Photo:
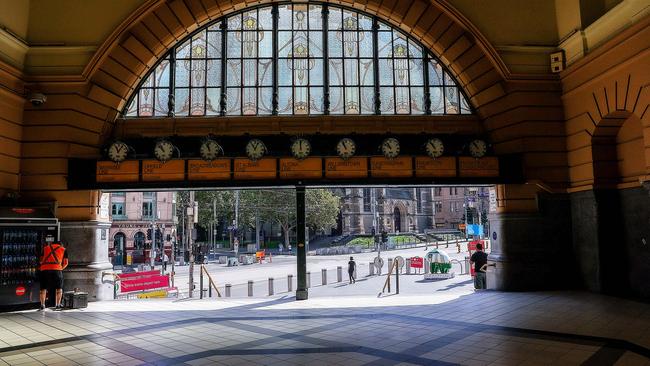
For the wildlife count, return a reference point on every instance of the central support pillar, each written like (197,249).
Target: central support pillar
(301,252)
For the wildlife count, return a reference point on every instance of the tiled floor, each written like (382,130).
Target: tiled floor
(482,328)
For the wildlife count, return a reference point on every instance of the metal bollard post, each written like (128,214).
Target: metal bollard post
(270,286)
(228,287)
(408,265)
(467,264)
(290,283)
(371,269)
(426,266)
(339,274)
(323,274)
(390,263)
(308,279)
(250,288)
(201,283)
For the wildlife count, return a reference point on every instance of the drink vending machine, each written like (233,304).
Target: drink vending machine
(23,230)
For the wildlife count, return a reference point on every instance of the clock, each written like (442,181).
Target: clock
(255,149)
(434,148)
(164,150)
(210,149)
(118,151)
(390,148)
(346,148)
(477,148)
(300,148)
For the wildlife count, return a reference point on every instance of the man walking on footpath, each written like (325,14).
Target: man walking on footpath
(54,260)
(479,259)
(352,266)
(165,260)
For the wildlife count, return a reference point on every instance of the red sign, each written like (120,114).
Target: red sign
(23,211)
(20,290)
(136,275)
(417,262)
(144,283)
(471,246)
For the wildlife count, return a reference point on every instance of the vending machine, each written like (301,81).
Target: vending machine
(23,230)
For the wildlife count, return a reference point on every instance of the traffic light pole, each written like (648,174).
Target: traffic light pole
(301,252)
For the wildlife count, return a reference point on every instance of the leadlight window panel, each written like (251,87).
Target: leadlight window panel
(366,200)
(197,85)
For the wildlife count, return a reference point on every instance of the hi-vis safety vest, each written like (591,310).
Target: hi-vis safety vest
(52,258)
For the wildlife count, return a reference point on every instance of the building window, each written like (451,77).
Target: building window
(138,241)
(418,198)
(438,191)
(300,59)
(366,200)
(438,207)
(147,210)
(117,210)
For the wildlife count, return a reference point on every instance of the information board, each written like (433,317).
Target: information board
(351,168)
(401,167)
(291,168)
(126,171)
(218,169)
(482,167)
(441,167)
(154,170)
(259,169)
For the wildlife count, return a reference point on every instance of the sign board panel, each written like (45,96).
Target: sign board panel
(474,229)
(291,168)
(401,167)
(440,167)
(346,169)
(144,283)
(461,226)
(154,170)
(218,169)
(493,199)
(126,171)
(482,167)
(417,262)
(259,169)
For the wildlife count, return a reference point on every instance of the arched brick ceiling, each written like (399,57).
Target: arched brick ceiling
(158,24)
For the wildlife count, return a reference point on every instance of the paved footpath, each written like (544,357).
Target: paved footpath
(444,323)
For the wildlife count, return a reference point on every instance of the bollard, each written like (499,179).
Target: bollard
(228,287)
(408,265)
(250,288)
(426,266)
(323,274)
(270,286)
(290,283)
(308,279)
(390,263)
(371,269)
(467,264)
(339,274)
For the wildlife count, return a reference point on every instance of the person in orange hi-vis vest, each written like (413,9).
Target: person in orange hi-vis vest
(54,260)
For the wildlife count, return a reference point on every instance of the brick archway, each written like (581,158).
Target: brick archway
(158,24)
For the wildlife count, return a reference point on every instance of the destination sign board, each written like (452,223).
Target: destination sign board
(218,169)
(154,170)
(401,167)
(126,171)
(291,168)
(482,167)
(439,167)
(350,168)
(259,169)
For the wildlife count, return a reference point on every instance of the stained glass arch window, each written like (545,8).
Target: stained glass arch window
(297,59)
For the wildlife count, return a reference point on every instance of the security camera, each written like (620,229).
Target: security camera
(37,99)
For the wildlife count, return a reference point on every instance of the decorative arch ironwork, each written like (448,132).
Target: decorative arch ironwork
(300,59)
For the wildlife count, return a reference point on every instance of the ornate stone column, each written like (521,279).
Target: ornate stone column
(87,246)
(530,240)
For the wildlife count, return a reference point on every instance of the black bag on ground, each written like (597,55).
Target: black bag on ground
(75,299)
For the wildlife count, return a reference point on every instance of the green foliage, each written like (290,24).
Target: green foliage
(362,241)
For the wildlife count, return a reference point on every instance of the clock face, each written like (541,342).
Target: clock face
(118,151)
(300,148)
(477,148)
(210,149)
(390,148)
(255,149)
(346,148)
(164,150)
(434,148)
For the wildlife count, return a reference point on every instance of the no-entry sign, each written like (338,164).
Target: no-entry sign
(20,290)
